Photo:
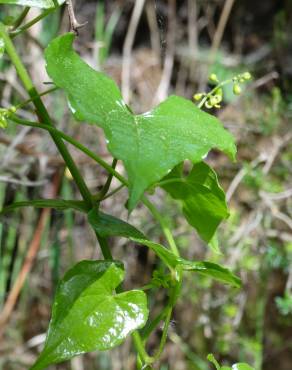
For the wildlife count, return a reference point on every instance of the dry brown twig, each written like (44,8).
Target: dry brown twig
(127,49)
(75,25)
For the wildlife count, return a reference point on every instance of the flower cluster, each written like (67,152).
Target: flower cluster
(215,96)
(4,115)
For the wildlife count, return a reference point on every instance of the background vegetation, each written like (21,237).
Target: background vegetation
(170,47)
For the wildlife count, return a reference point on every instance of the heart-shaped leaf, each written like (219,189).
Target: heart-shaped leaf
(210,269)
(88,316)
(107,225)
(150,144)
(45,4)
(203,200)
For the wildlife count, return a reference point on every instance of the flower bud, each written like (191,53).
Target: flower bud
(198,97)
(213,78)
(236,89)
(3,122)
(246,76)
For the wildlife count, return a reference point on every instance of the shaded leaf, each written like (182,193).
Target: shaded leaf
(107,225)
(47,203)
(210,269)
(150,144)
(45,4)
(87,316)
(203,200)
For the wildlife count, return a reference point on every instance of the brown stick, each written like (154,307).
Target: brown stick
(29,260)
(220,29)
(75,25)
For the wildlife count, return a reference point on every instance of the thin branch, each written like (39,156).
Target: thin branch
(127,49)
(74,24)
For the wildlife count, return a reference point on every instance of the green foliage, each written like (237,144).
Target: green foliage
(87,316)
(238,366)
(45,4)
(90,311)
(107,225)
(284,303)
(202,198)
(203,267)
(174,131)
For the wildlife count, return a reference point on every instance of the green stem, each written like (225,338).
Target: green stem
(23,104)
(113,192)
(107,185)
(44,117)
(139,345)
(31,23)
(43,114)
(109,168)
(104,247)
(137,340)
(21,17)
(72,141)
(164,334)
(210,93)
(153,324)
(165,228)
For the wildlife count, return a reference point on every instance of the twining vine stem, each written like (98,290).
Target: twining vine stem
(45,122)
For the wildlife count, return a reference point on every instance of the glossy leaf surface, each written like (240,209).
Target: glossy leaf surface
(107,225)
(88,316)
(150,144)
(203,200)
(45,4)
(210,269)
(242,366)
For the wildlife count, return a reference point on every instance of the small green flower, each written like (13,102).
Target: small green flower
(4,115)
(236,89)
(213,78)
(198,97)
(246,76)
(3,118)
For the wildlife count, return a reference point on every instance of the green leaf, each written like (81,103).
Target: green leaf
(47,203)
(239,366)
(87,316)
(242,366)
(150,144)
(206,268)
(107,225)
(45,4)
(203,200)
(2,47)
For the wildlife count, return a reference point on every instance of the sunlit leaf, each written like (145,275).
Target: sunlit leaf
(202,198)
(2,47)
(45,4)
(88,316)
(242,366)
(150,144)
(210,269)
